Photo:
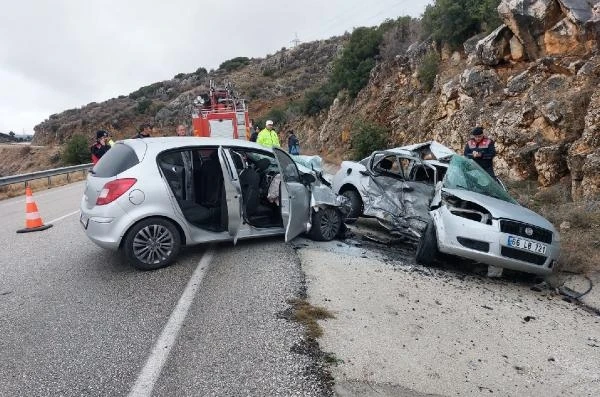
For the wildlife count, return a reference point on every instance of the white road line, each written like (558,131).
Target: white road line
(64,216)
(149,375)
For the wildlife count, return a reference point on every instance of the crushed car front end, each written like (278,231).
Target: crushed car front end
(475,218)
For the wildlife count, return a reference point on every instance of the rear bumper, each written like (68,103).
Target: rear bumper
(105,227)
(487,244)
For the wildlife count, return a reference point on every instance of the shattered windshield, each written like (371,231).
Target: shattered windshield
(465,174)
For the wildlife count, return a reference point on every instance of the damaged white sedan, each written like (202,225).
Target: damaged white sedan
(451,205)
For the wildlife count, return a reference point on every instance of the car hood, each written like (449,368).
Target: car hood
(437,149)
(502,209)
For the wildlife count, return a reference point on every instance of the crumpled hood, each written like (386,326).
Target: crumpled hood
(503,209)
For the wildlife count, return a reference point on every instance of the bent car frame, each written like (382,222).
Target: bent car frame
(150,196)
(449,205)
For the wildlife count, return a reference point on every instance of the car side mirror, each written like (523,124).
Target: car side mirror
(307,179)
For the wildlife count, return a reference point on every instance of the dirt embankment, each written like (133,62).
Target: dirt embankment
(20,159)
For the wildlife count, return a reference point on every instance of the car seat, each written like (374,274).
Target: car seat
(250,184)
(209,182)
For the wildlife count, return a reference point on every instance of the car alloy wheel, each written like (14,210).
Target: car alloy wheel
(326,224)
(152,243)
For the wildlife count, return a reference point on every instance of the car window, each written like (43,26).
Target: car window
(118,159)
(289,170)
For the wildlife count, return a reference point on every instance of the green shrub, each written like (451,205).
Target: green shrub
(201,72)
(428,70)
(454,21)
(143,106)
(268,72)
(317,100)
(277,115)
(180,75)
(146,91)
(77,151)
(234,63)
(367,137)
(351,71)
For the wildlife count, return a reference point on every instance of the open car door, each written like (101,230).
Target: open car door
(233,194)
(294,196)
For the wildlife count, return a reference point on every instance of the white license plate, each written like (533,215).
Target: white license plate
(84,220)
(527,245)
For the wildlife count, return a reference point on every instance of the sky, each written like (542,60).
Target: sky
(63,54)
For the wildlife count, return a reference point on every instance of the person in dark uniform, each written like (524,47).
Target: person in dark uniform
(481,149)
(145,130)
(101,146)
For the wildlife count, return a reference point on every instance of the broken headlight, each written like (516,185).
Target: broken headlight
(466,209)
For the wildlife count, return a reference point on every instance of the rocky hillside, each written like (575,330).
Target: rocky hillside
(532,84)
(263,81)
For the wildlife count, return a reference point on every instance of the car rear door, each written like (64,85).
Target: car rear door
(233,194)
(294,196)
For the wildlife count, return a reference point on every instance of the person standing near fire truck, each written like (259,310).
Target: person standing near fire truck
(268,136)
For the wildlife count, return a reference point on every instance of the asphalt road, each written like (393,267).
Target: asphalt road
(77,320)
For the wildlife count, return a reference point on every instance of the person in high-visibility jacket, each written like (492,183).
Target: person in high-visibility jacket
(268,137)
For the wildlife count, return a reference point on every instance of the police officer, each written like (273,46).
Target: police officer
(101,146)
(268,137)
(481,149)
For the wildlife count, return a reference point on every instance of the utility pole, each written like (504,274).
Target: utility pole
(296,41)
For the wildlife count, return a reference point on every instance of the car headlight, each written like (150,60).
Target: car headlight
(466,209)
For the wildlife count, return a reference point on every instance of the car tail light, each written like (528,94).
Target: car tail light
(114,189)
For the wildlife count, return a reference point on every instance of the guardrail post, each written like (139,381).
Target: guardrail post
(49,181)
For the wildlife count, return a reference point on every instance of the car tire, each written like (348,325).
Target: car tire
(356,205)
(152,243)
(427,249)
(326,224)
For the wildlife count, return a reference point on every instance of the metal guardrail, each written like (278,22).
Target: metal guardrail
(24,178)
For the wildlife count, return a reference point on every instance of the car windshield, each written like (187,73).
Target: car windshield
(466,174)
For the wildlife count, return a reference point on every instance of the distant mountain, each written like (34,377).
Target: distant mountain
(278,78)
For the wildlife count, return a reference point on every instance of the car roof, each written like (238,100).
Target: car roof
(169,142)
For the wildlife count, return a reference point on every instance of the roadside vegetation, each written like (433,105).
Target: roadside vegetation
(77,151)
(367,137)
(308,315)
(577,222)
(351,71)
(454,21)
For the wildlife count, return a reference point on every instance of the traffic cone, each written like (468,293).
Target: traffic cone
(33,221)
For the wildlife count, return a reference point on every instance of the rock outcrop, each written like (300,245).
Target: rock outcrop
(532,84)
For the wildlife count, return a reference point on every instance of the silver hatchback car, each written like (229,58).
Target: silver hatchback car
(150,196)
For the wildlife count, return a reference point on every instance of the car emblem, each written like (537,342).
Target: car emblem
(529,231)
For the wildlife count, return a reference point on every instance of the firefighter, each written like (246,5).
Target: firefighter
(99,148)
(268,137)
(481,149)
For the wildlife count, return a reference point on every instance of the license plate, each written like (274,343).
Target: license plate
(527,245)
(84,219)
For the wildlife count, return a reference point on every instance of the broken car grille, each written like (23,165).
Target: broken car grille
(520,229)
(523,256)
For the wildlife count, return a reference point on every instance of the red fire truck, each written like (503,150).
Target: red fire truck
(220,113)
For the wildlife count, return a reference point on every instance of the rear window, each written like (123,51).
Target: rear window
(118,159)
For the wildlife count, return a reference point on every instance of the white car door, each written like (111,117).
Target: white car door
(294,197)
(233,194)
